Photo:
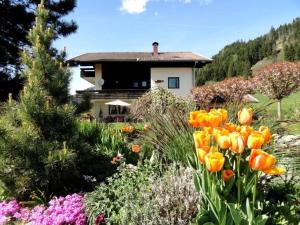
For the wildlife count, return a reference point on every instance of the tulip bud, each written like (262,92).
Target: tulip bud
(227,174)
(245,116)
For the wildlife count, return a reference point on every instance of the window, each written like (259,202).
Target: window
(173,82)
(135,84)
(144,83)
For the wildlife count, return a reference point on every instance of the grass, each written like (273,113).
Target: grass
(290,109)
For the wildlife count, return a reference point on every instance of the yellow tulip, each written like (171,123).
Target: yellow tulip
(265,131)
(245,131)
(237,142)
(201,139)
(223,113)
(201,153)
(260,160)
(214,161)
(215,119)
(198,118)
(245,116)
(223,141)
(255,140)
(218,131)
(227,174)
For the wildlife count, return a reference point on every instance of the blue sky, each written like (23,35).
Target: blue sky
(201,26)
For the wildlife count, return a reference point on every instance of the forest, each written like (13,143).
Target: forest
(241,57)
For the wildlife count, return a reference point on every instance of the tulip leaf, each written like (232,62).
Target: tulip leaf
(229,186)
(197,182)
(250,184)
(235,213)
(249,211)
(260,220)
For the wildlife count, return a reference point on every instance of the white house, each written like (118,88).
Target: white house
(128,75)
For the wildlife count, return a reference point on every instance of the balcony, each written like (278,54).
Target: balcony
(114,93)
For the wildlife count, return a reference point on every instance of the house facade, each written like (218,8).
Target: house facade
(128,75)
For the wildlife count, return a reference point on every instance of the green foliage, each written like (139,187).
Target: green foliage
(237,58)
(110,198)
(39,148)
(168,200)
(171,136)
(139,195)
(84,105)
(282,196)
(159,102)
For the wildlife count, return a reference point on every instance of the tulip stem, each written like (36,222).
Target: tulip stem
(239,180)
(254,192)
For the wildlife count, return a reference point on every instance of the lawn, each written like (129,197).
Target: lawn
(290,109)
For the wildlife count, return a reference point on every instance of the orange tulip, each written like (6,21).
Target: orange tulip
(208,130)
(275,171)
(245,131)
(127,129)
(266,134)
(215,118)
(222,112)
(201,139)
(218,131)
(198,118)
(260,160)
(227,174)
(223,141)
(237,142)
(230,127)
(255,140)
(201,153)
(245,116)
(214,161)
(135,148)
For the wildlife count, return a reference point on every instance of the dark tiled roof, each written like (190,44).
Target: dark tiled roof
(139,56)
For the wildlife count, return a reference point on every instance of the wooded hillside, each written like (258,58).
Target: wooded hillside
(240,57)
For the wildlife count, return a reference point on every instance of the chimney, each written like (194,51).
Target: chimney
(155,48)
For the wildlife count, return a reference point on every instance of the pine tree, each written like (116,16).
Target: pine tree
(39,132)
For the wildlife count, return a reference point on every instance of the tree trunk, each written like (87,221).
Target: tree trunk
(279,109)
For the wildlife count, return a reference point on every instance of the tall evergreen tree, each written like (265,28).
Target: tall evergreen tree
(38,134)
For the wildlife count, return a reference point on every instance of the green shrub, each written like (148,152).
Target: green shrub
(110,198)
(168,200)
(140,195)
(159,102)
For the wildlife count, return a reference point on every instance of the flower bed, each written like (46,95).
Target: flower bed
(62,210)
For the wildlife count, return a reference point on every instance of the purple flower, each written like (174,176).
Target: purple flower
(62,210)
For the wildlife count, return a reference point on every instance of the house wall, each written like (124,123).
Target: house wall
(186,79)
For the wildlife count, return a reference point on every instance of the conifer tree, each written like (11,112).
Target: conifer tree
(38,133)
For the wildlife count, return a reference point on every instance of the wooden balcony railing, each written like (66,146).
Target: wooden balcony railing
(114,93)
